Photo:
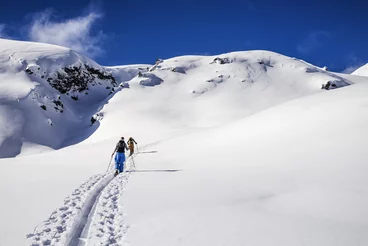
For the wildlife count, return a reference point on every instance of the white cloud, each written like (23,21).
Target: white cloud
(75,33)
(354,62)
(351,69)
(313,41)
(2,31)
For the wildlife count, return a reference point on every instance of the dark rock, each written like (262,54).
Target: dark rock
(178,70)
(221,60)
(77,78)
(93,120)
(29,71)
(58,103)
(265,63)
(328,85)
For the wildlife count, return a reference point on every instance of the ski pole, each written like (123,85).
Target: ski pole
(109,164)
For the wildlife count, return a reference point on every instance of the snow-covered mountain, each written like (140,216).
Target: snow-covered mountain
(362,71)
(48,95)
(244,146)
(193,92)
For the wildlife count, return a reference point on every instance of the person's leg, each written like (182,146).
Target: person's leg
(122,162)
(116,164)
(116,161)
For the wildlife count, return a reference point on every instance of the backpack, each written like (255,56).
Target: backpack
(120,147)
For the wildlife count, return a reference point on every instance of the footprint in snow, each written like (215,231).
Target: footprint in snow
(63,208)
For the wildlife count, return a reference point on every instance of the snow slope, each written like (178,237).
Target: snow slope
(48,95)
(300,180)
(194,92)
(295,174)
(362,71)
(241,148)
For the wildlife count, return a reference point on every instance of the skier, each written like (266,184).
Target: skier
(131,142)
(120,148)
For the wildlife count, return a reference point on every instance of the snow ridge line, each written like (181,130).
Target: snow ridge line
(62,221)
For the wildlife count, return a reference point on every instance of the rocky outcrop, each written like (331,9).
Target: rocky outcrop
(72,80)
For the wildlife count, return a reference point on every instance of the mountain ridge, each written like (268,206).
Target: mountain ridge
(58,94)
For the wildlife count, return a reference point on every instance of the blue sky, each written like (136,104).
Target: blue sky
(325,33)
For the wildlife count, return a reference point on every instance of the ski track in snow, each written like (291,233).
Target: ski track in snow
(91,215)
(64,220)
(107,225)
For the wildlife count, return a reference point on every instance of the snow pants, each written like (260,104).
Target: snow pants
(131,149)
(119,161)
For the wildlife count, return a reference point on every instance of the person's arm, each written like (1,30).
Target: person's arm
(125,145)
(134,141)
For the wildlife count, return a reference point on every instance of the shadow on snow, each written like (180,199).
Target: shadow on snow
(149,171)
(148,152)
